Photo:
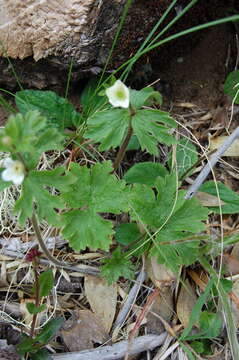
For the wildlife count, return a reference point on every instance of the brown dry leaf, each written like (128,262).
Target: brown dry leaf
(102,299)
(209,200)
(162,306)
(233,150)
(231,263)
(159,274)
(87,256)
(186,301)
(234,304)
(83,330)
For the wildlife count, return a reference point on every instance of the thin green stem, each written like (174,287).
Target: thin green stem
(123,147)
(175,36)
(41,242)
(116,37)
(37,296)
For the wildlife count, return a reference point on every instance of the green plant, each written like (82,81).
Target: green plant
(81,200)
(33,344)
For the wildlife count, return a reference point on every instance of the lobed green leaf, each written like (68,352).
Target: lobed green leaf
(96,191)
(147,126)
(145,173)
(108,127)
(117,266)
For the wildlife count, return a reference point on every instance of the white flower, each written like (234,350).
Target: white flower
(118,95)
(14,171)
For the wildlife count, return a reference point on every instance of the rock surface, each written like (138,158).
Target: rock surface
(64,29)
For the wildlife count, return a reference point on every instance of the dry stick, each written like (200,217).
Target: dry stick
(130,301)
(212,161)
(116,351)
(19,255)
(45,250)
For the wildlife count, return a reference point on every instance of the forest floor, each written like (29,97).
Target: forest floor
(191,82)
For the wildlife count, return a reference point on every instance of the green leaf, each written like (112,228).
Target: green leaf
(33,309)
(85,228)
(25,345)
(145,173)
(186,157)
(231,86)
(117,266)
(145,96)
(59,112)
(49,330)
(46,282)
(108,127)
(202,347)
(147,126)
(197,309)
(96,191)
(175,220)
(133,144)
(41,354)
(30,136)
(34,192)
(127,233)
(210,324)
(228,196)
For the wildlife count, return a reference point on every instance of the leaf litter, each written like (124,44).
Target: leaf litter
(93,306)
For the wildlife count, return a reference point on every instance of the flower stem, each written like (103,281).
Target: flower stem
(41,242)
(37,296)
(123,147)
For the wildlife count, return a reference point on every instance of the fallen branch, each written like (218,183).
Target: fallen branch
(122,316)
(211,163)
(116,351)
(83,270)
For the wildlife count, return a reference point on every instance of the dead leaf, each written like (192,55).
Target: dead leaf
(83,331)
(209,200)
(235,302)
(186,301)
(231,263)
(102,299)
(233,150)
(163,307)
(159,274)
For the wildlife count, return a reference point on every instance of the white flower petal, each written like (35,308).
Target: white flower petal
(7,162)
(7,175)
(18,179)
(14,171)
(118,95)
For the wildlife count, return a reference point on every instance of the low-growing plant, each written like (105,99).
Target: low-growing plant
(33,344)
(81,200)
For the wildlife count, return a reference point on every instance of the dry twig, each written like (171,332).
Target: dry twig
(116,351)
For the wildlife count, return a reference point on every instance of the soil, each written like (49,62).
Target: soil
(198,76)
